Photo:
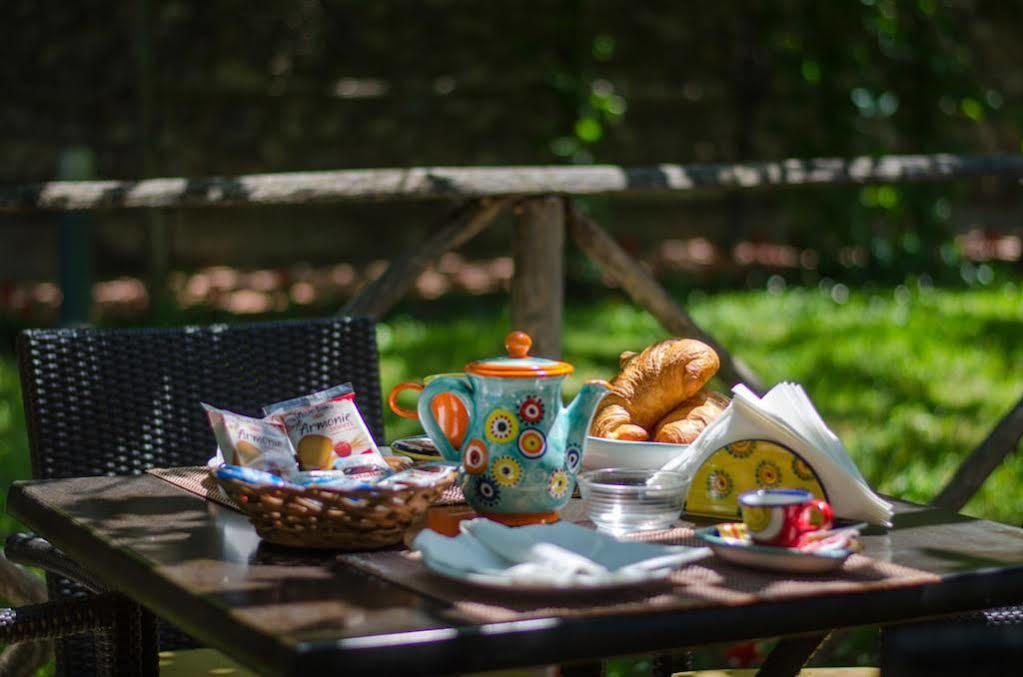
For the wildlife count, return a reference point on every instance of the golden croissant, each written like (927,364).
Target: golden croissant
(684,423)
(650,385)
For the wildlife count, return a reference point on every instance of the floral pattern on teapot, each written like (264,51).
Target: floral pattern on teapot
(522,449)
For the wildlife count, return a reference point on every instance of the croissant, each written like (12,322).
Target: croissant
(613,421)
(650,385)
(684,423)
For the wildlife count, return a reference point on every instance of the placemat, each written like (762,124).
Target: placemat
(196,479)
(709,582)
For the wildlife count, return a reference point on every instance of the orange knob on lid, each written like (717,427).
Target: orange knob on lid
(517,344)
(518,363)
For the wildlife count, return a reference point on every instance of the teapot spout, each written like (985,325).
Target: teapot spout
(579,413)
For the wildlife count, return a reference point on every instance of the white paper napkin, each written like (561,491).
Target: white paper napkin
(787,416)
(558,555)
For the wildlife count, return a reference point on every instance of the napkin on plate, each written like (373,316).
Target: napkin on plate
(787,416)
(559,555)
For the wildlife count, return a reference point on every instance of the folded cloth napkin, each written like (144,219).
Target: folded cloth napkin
(559,555)
(787,416)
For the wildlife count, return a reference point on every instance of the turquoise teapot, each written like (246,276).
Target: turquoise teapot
(522,449)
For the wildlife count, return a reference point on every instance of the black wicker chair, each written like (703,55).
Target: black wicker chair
(116,402)
(981,643)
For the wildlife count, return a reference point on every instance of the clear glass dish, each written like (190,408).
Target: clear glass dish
(626,500)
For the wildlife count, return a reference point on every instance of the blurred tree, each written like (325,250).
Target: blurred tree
(278,86)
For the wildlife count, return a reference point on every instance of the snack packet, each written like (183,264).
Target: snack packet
(252,476)
(327,430)
(252,442)
(424,475)
(307,400)
(355,477)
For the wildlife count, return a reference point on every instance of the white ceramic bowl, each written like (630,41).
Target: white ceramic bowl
(602,453)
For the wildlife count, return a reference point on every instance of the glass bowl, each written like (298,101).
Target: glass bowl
(626,500)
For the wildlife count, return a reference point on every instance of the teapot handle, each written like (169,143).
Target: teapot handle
(458,386)
(392,399)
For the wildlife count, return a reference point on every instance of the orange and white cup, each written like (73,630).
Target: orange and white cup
(448,410)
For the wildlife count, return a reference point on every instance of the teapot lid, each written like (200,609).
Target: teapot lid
(518,364)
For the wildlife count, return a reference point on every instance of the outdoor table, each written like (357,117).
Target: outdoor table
(201,566)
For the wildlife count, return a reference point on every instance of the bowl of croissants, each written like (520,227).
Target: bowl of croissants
(657,406)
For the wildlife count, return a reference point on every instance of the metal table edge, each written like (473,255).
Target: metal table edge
(480,646)
(246,645)
(554,640)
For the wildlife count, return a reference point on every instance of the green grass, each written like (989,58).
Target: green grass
(912,380)
(14,458)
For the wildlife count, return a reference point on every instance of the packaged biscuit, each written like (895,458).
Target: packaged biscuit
(424,475)
(354,477)
(252,442)
(259,478)
(327,430)
(297,403)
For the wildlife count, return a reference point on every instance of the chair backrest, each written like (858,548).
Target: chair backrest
(118,401)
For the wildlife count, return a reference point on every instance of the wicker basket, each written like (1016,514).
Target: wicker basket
(358,519)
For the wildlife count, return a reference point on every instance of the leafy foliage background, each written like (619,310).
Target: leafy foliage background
(226,87)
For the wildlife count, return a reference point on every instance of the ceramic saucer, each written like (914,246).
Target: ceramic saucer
(745,553)
(419,447)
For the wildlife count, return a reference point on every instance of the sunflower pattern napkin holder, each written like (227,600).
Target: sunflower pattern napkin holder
(778,441)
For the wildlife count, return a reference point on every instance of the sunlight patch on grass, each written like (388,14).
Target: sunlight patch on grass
(911,381)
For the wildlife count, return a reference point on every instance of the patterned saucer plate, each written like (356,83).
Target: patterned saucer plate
(740,550)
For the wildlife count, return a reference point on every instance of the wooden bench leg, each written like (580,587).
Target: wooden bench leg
(667,664)
(582,669)
(790,655)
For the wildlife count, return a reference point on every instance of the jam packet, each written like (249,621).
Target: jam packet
(252,442)
(327,430)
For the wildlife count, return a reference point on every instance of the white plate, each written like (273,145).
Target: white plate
(495,582)
(602,453)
